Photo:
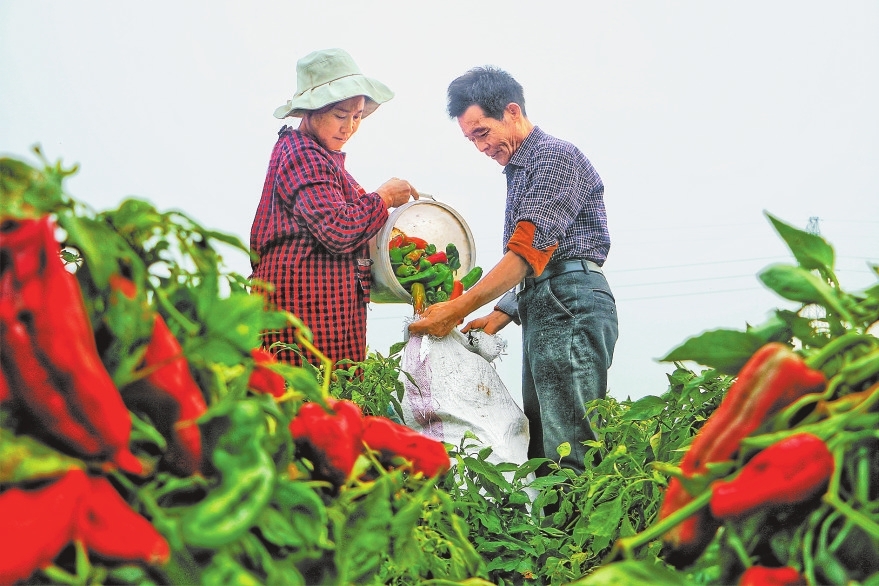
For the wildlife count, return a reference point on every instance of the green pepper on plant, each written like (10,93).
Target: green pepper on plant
(247,480)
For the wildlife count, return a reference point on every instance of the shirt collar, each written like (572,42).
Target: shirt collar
(521,155)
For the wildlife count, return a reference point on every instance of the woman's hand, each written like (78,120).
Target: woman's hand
(395,192)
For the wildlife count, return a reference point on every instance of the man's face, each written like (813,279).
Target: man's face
(498,139)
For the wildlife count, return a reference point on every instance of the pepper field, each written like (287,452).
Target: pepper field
(145,439)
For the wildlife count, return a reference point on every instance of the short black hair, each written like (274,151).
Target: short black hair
(490,88)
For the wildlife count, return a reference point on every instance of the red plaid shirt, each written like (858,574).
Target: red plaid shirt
(313,223)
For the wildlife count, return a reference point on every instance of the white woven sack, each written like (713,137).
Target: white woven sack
(457,389)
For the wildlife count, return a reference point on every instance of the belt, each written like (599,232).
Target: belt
(561,267)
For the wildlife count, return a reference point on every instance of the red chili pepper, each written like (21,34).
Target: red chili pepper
(49,302)
(418,242)
(687,540)
(788,472)
(763,576)
(457,289)
(396,241)
(772,379)
(264,379)
(330,439)
(5,393)
(173,378)
(392,440)
(32,384)
(438,257)
(125,286)
(108,526)
(38,524)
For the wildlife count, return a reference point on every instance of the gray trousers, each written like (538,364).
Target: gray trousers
(569,330)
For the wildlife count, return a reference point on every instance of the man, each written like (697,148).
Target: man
(555,242)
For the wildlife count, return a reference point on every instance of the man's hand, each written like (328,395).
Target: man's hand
(490,324)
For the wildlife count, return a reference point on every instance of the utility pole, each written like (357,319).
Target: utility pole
(812,311)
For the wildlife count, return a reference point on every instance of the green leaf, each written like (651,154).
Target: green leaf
(564,449)
(633,572)
(364,536)
(724,350)
(798,284)
(605,519)
(645,408)
(811,251)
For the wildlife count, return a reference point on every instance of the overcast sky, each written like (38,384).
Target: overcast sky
(697,115)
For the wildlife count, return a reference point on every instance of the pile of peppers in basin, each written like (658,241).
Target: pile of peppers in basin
(426,272)
(146,437)
(780,484)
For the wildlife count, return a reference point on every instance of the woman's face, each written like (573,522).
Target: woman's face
(334,124)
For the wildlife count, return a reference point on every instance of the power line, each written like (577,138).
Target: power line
(616,286)
(688,294)
(695,264)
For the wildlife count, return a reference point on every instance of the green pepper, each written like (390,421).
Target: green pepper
(430,296)
(399,253)
(424,263)
(454,256)
(440,296)
(248,476)
(418,297)
(470,278)
(430,249)
(414,256)
(419,277)
(448,283)
(405,270)
(441,272)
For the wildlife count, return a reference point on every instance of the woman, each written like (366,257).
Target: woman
(314,221)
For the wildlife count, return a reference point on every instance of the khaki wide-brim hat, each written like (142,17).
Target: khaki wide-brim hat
(330,76)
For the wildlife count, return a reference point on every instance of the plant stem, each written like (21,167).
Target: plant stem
(628,544)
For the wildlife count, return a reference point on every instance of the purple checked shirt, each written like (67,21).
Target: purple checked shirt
(552,184)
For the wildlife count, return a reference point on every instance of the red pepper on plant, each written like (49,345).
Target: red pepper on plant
(787,472)
(38,524)
(330,439)
(170,375)
(107,525)
(48,302)
(5,393)
(263,379)
(393,440)
(764,576)
(33,385)
(686,541)
(773,378)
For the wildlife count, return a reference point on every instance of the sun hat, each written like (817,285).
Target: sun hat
(329,76)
